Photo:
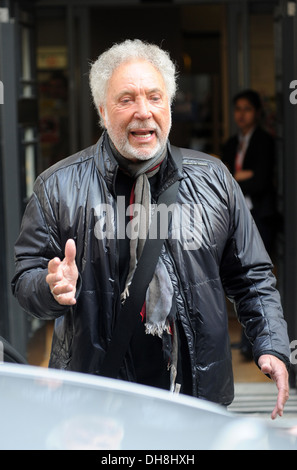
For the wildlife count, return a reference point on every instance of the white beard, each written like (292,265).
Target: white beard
(124,147)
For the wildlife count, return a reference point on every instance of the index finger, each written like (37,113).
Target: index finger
(282,396)
(53,265)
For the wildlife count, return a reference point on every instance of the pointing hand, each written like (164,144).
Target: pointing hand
(62,276)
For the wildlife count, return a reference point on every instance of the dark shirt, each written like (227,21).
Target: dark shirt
(146,350)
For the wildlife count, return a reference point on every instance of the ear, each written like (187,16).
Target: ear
(102,114)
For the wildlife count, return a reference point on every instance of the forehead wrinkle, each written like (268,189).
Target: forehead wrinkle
(134,76)
(134,90)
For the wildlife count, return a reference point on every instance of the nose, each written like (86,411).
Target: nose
(142,111)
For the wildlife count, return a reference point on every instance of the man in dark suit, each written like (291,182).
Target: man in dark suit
(249,155)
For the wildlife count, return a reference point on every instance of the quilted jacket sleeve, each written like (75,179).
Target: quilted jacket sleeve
(35,246)
(246,272)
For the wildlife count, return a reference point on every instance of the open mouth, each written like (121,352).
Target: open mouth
(143,134)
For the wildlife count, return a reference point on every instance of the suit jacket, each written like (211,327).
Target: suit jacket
(260,158)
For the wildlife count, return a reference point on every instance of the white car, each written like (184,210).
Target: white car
(52,409)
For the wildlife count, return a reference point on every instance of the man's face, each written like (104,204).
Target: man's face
(245,115)
(137,112)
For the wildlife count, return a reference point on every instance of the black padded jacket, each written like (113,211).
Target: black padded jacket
(228,259)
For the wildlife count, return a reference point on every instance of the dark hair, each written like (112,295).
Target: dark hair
(252,96)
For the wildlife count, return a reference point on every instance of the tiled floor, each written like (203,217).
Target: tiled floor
(259,399)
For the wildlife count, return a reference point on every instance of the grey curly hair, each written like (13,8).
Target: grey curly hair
(103,68)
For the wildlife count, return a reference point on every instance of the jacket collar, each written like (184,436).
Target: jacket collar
(108,167)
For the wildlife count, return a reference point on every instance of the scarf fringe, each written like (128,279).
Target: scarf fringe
(157,329)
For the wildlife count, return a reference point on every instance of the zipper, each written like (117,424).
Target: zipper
(191,355)
(181,289)
(116,267)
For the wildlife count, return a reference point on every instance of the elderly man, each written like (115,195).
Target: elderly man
(78,249)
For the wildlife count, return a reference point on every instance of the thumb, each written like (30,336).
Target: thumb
(265,365)
(266,368)
(70,251)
